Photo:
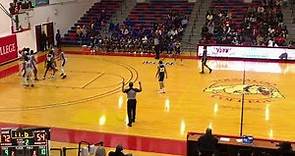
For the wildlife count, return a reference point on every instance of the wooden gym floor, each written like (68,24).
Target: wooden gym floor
(90,99)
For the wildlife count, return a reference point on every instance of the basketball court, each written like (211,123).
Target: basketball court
(248,98)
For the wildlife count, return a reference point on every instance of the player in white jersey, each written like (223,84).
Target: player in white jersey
(23,58)
(28,76)
(62,64)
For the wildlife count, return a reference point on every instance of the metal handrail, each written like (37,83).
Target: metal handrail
(6,12)
(79,147)
(65,149)
(57,149)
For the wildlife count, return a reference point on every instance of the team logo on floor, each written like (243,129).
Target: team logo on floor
(155,62)
(254,91)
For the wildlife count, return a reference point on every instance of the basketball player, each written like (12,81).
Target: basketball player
(24,57)
(63,62)
(49,64)
(28,72)
(131,102)
(20,63)
(34,61)
(204,61)
(161,74)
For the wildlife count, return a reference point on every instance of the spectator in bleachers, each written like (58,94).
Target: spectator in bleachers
(17,5)
(209,16)
(270,43)
(13,9)
(291,44)
(79,31)
(260,40)
(184,22)
(84,33)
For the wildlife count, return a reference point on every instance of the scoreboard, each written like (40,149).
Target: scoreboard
(25,141)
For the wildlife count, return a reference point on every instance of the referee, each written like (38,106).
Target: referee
(131,103)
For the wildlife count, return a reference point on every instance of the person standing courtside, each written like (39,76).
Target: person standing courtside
(131,103)
(58,39)
(204,61)
(157,46)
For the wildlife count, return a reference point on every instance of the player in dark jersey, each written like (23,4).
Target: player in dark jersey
(34,61)
(161,74)
(204,61)
(22,57)
(49,64)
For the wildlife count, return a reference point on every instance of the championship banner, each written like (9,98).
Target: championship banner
(8,48)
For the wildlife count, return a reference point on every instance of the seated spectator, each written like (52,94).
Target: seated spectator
(207,143)
(209,16)
(291,44)
(17,5)
(184,22)
(119,152)
(259,40)
(280,40)
(100,151)
(270,43)
(12,8)
(79,31)
(285,149)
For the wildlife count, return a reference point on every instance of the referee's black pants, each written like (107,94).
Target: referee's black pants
(157,51)
(131,110)
(204,64)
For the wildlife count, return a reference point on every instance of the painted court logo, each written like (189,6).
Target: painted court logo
(254,91)
(155,62)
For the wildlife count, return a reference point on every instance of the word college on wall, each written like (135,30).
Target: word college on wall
(8,48)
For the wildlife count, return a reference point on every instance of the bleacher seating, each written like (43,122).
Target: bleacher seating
(145,14)
(156,17)
(240,23)
(237,8)
(104,9)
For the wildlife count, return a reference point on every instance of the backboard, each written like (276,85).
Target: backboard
(20,22)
